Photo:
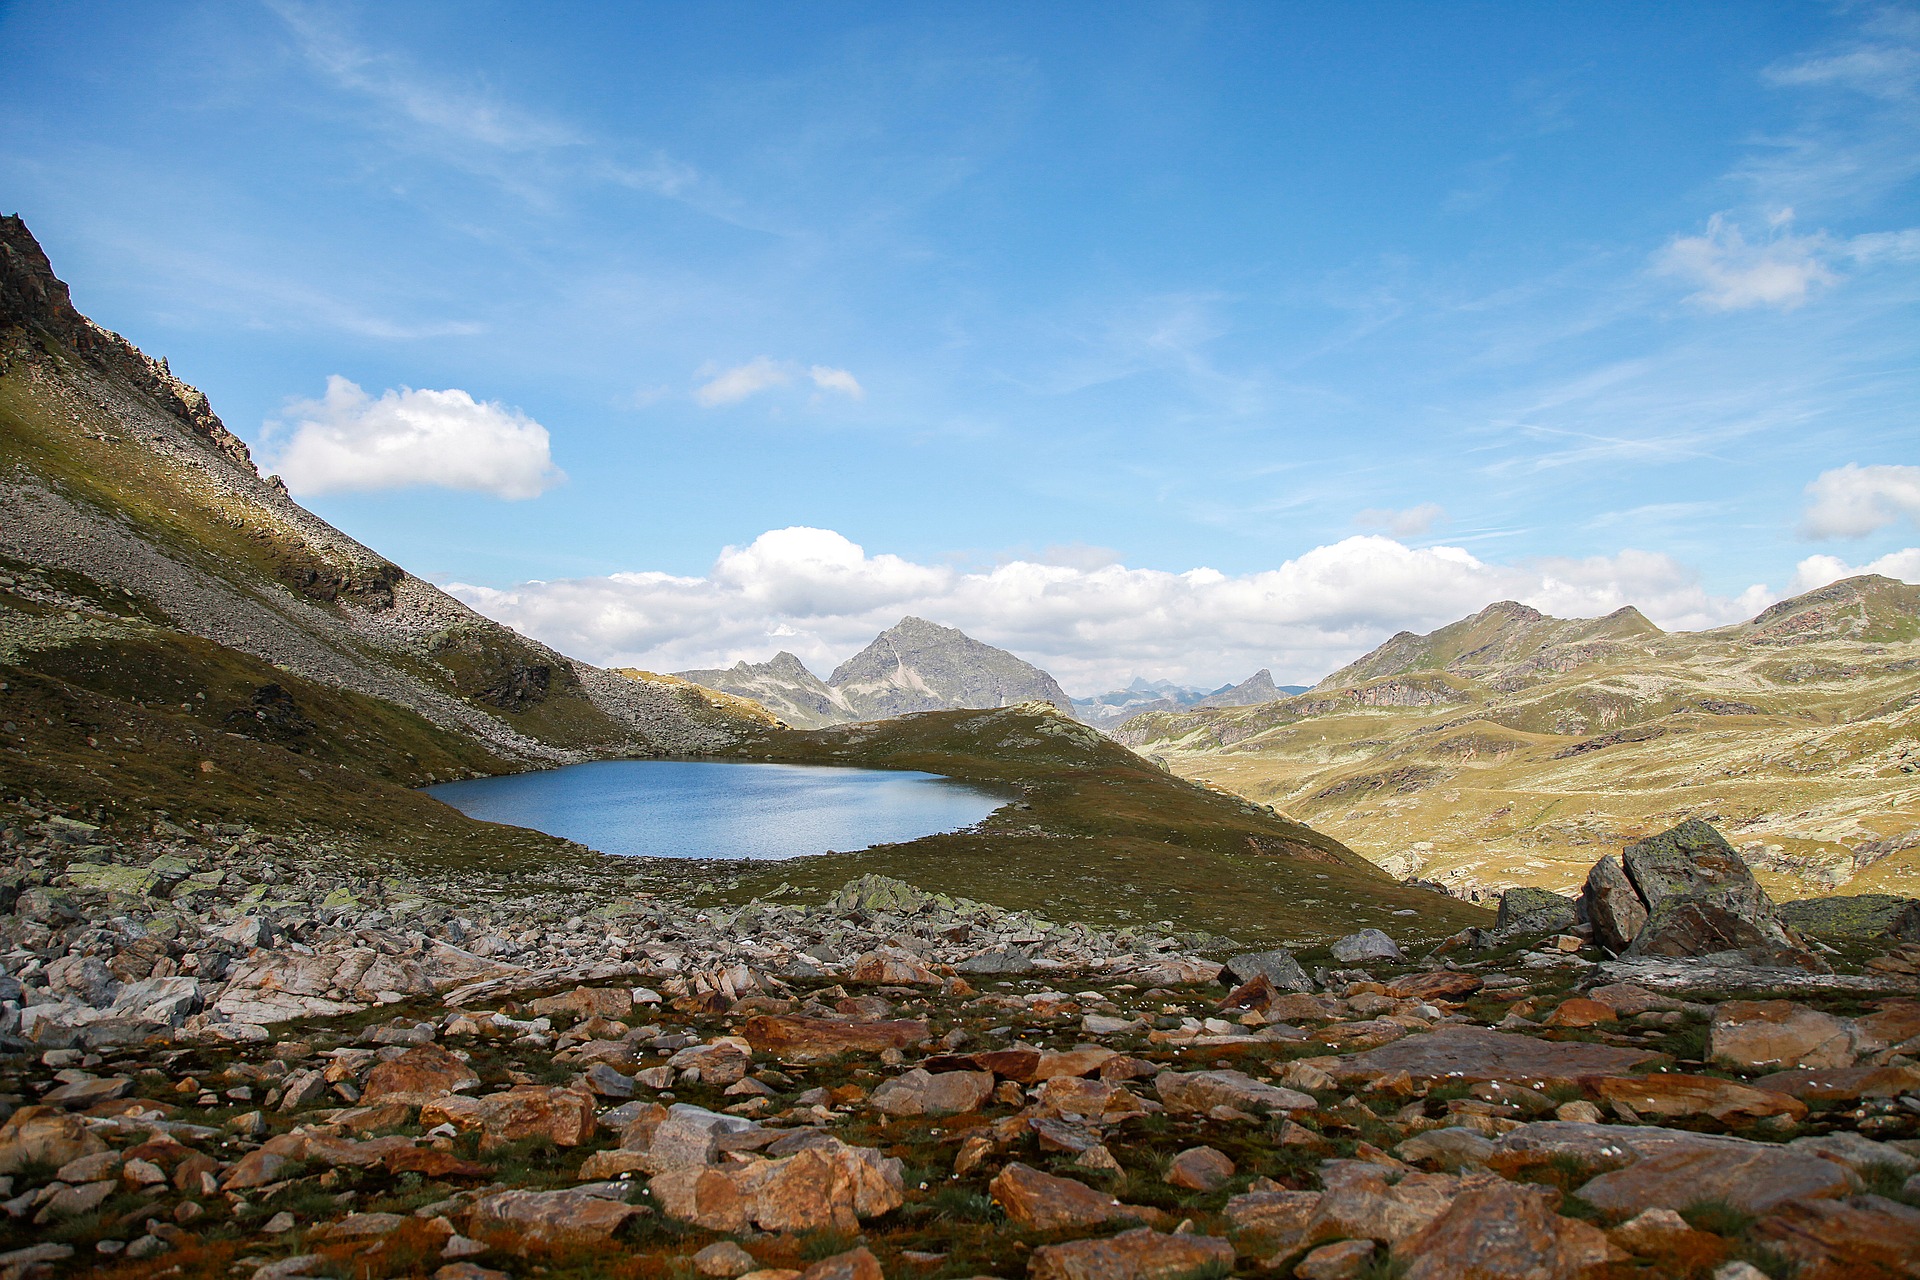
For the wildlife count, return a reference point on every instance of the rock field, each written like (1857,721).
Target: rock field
(228,1056)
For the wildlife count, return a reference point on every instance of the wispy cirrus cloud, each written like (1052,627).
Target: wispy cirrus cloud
(763,373)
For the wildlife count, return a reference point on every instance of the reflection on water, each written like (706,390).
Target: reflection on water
(703,809)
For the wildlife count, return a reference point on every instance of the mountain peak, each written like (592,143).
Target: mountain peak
(916,665)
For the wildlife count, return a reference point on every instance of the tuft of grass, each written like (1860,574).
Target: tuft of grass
(1718,1217)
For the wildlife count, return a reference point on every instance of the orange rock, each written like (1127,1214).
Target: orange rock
(1578,1012)
(1141,1254)
(1496,1229)
(855,1264)
(1472,1054)
(1776,1035)
(516,1219)
(826,1187)
(922,1093)
(1199,1169)
(422,1072)
(1864,1238)
(45,1135)
(1843,1084)
(1042,1202)
(565,1116)
(587,1002)
(803,1040)
(891,966)
(1441,985)
(1030,1066)
(1894,1027)
(1678,1095)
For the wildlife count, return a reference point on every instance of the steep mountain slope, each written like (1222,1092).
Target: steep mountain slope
(916,665)
(165,609)
(783,686)
(1514,748)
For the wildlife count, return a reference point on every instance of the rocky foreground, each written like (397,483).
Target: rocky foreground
(229,1058)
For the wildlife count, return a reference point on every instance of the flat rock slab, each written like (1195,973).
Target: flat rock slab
(1475,1054)
(1843,1084)
(1863,1238)
(1651,1168)
(1700,977)
(805,1040)
(1132,1255)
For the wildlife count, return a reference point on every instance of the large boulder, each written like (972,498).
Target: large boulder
(1043,1202)
(1614,907)
(1529,910)
(422,1073)
(923,1093)
(1277,966)
(1142,1254)
(1701,897)
(1776,1035)
(805,1040)
(1366,945)
(827,1186)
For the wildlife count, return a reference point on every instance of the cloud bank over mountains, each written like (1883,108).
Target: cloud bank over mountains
(822,596)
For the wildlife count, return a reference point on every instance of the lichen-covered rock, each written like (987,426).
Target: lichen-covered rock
(1614,907)
(1529,910)
(1366,945)
(1141,1254)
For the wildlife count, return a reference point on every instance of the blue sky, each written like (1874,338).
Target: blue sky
(1160,339)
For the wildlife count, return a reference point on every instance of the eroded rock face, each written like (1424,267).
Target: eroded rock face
(1529,910)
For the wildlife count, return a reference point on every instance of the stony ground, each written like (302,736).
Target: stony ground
(227,1060)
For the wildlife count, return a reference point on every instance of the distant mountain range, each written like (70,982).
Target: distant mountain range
(1111,710)
(914,665)
(917,665)
(1508,747)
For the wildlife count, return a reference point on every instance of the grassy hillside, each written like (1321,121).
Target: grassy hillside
(1097,834)
(1515,749)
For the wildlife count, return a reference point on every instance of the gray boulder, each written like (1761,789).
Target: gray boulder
(1613,905)
(1278,966)
(1368,944)
(997,961)
(1693,861)
(1528,910)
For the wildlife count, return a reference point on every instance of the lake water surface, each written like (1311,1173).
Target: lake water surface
(710,809)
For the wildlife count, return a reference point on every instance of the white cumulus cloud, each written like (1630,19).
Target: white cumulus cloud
(1818,571)
(1854,501)
(1094,626)
(348,441)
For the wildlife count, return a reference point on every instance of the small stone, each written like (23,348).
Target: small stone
(1199,1169)
(1345,1260)
(724,1260)
(1368,944)
(279,1224)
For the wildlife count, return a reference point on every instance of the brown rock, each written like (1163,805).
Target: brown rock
(1471,1054)
(1140,1254)
(564,1116)
(723,1062)
(1031,1066)
(1443,985)
(1042,1202)
(1681,1095)
(1202,1091)
(1355,1036)
(855,1264)
(1862,1238)
(45,1135)
(1627,1000)
(515,1219)
(1344,1260)
(804,1040)
(1753,1035)
(1752,1177)
(1495,1230)
(421,1073)
(1272,1221)
(587,1002)
(890,966)
(921,1093)
(1199,1169)
(1843,1084)
(1360,1203)
(429,1163)
(1579,1012)
(266,1163)
(827,1186)
(1895,1027)
(724,1260)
